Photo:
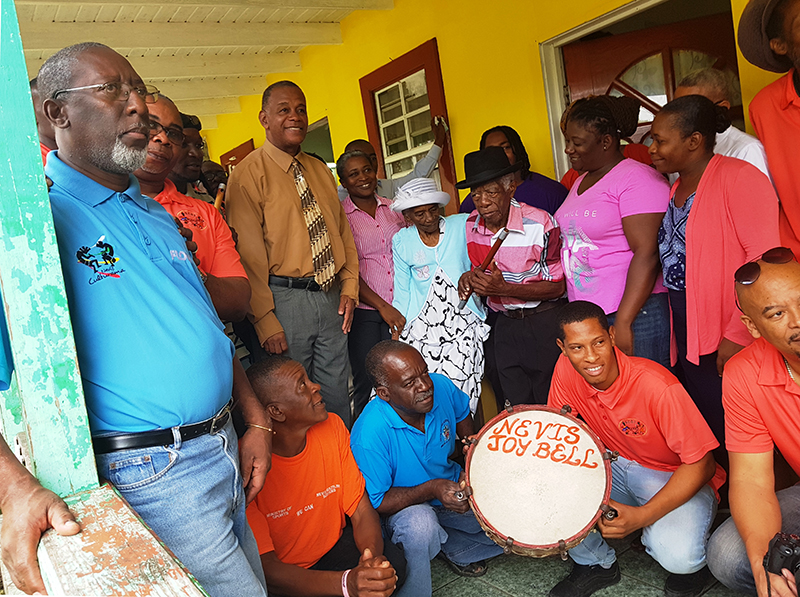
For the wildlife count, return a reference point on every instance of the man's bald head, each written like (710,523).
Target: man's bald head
(771,305)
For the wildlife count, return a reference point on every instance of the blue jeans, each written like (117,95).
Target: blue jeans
(677,540)
(423,530)
(727,557)
(190,494)
(651,330)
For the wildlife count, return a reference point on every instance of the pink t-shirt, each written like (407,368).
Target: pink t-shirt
(595,252)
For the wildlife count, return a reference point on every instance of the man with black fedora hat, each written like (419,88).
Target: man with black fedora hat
(769,37)
(524,284)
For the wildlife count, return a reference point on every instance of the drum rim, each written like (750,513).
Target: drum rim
(606,464)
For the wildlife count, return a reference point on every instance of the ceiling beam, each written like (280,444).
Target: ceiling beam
(231,65)
(209,121)
(287,4)
(216,105)
(47,35)
(190,89)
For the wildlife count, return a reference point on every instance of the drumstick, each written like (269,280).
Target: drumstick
(487,262)
(220,196)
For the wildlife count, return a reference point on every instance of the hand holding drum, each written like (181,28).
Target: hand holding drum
(486,262)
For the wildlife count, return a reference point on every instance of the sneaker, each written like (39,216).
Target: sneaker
(689,585)
(585,580)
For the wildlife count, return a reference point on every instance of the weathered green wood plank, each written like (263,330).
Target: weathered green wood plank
(50,407)
(115,554)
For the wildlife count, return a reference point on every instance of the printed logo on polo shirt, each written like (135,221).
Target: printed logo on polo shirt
(101,259)
(189,218)
(445,432)
(633,427)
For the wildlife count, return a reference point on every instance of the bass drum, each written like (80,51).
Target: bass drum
(539,480)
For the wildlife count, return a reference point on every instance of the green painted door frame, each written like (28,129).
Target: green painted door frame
(44,408)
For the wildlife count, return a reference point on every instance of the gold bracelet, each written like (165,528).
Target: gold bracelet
(260,427)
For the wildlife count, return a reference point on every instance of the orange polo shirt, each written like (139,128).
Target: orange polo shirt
(775,114)
(761,403)
(299,514)
(645,415)
(215,247)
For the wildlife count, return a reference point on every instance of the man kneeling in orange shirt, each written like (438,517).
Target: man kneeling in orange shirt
(307,545)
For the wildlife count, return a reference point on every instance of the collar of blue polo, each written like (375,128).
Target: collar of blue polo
(396,421)
(84,189)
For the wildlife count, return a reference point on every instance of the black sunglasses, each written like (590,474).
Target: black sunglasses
(750,272)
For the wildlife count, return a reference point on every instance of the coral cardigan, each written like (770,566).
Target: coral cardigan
(733,220)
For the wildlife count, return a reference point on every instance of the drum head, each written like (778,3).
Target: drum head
(538,477)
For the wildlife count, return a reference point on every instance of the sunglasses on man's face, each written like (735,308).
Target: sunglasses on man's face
(750,272)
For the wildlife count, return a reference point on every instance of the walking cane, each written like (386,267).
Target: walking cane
(487,262)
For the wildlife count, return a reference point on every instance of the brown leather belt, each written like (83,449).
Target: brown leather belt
(528,311)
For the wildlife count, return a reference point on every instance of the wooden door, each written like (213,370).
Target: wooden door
(230,159)
(648,64)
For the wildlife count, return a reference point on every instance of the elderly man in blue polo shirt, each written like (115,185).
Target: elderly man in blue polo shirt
(401,443)
(157,369)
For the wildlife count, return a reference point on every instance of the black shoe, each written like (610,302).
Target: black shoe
(689,585)
(585,580)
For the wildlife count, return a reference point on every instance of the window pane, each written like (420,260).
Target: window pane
(389,105)
(415,91)
(399,167)
(647,77)
(420,128)
(688,61)
(395,138)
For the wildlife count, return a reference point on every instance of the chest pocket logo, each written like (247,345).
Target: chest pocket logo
(189,218)
(633,428)
(100,258)
(445,432)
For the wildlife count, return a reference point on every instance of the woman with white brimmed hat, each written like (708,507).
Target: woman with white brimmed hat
(429,258)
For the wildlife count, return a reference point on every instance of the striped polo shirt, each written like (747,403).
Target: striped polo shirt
(530,253)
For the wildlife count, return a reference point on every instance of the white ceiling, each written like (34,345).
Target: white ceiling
(202,54)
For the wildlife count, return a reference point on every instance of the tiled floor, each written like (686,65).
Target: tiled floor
(516,576)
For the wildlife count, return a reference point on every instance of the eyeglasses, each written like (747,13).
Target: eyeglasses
(216,175)
(175,136)
(116,91)
(750,272)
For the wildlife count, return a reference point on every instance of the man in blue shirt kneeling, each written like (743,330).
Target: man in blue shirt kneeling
(401,443)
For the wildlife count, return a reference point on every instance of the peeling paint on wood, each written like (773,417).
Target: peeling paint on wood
(114,554)
(46,402)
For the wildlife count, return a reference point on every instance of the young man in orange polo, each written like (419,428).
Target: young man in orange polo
(665,479)
(761,397)
(316,529)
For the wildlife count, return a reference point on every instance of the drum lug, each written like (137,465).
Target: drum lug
(508,407)
(508,547)
(566,409)
(609,513)
(611,456)
(562,549)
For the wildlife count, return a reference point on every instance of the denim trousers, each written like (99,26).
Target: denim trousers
(727,557)
(651,331)
(190,493)
(677,540)
(423,530)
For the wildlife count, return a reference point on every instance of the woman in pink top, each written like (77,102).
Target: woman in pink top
(609,226)
(722,214)
(374,224)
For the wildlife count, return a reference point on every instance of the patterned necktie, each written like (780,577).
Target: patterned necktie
(321,252)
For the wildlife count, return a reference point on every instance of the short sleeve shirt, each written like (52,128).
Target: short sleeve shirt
(530,252)
(300,512)
(761,403)
(595,251)
(6,362)
(152,351)
(215,247)
(646,414)
(373,237)
(392,453)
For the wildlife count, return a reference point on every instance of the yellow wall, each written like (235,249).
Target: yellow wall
(489,53)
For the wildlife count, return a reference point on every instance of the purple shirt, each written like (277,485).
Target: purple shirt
(536,190)
(373,238)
